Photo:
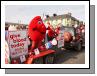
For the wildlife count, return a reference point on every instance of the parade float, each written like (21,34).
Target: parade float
(38,52)
(40,44)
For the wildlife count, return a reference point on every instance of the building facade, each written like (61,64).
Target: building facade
(65,20)
(7,24)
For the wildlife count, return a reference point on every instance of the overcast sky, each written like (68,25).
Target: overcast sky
(24,13)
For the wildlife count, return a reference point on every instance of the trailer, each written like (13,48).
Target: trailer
(19,52)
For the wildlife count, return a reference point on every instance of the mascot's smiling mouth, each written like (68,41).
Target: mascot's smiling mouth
(34,29)
(42,32)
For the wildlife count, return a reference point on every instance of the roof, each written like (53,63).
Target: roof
(60,16)
(11,23)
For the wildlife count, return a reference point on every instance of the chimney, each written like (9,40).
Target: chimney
(54,14)
(47,16)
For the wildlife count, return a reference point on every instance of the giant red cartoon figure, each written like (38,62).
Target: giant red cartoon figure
(36,31)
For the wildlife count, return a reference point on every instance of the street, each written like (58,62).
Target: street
(70,57)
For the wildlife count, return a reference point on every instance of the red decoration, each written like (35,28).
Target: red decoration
(14,61)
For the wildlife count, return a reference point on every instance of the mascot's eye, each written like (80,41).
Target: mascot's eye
(39,22)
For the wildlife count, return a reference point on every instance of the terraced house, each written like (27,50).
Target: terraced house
(65,19)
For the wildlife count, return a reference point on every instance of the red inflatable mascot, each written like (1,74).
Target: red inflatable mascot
(36,31)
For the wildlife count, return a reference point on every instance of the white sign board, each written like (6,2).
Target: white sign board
(36,51)
(61,39)
(17,41)
(22,58)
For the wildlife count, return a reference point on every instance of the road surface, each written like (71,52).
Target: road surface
(70,57)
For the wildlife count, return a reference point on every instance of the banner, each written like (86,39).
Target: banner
(17,41)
